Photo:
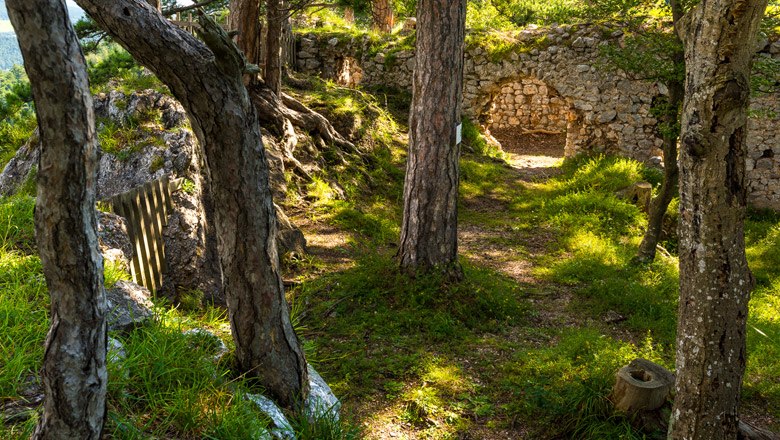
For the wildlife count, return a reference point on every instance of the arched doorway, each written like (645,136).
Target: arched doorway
(529,117)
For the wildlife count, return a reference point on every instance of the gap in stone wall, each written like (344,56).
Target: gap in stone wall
(529,117)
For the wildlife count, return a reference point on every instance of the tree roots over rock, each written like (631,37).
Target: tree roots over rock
(283,115)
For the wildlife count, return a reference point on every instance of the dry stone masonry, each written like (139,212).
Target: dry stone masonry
(529,103)
(552,79)
(763,163)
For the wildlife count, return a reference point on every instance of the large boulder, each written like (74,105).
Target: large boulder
(113,239)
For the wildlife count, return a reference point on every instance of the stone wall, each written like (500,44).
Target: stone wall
(531,104)
(763,163)
(552,79)
(602,110)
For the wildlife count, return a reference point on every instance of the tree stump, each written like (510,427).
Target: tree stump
(641,386)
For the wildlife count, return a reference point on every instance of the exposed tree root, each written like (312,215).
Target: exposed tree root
(283,116)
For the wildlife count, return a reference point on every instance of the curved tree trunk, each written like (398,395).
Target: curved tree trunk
(661,202)
(670,120)
(430,221)
(273,45)
(206,79)
(715,281)
(74,365)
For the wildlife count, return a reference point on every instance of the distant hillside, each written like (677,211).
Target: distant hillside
(9,49)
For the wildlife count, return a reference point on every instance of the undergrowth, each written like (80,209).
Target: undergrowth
(165,383)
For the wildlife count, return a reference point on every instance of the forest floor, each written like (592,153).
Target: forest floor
(527,346)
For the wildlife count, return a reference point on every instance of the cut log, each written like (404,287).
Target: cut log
(641,386)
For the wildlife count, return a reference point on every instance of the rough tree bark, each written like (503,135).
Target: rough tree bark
(429,228)
(156,4)
(74,366)
(245,19)
(669,119)
(382,17)
(276,14)
(207,80)
(715,281)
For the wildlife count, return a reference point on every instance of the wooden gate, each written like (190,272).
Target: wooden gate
(145,210)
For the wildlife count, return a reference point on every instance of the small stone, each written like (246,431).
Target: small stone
(282,429)
(612,317)
(321,399)
(607,116)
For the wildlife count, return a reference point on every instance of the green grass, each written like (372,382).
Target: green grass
(445,357)
(167,386)
(124,138)
(112,68)
(15,129)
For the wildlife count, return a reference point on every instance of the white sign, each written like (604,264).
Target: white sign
(458,134)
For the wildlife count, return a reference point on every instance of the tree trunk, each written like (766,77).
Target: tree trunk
(273,45)
(206,79)
(670,123)
(382,15)
(156,4)
(74,366)
(245,18)
(715,281)
(430,219)
(349,15)
(660,203)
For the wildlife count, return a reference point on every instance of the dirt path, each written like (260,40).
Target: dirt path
(533,156)
(532,159)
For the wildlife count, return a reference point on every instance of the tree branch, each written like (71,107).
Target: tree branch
(169,12)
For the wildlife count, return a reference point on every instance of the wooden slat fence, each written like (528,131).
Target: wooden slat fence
(145,210)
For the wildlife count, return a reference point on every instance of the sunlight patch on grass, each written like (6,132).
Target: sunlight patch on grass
(567,384)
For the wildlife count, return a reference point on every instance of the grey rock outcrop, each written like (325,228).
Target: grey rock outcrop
(129,306)
(113,240)
(156,142)
(21,167)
